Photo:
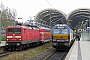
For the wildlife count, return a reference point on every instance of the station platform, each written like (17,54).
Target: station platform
(80,50)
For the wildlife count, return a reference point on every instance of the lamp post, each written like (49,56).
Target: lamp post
(0,25)
(82,25)
(82,29)
(86,23)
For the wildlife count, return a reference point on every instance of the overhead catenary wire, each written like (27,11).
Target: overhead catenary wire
(50,3)
(50,12)
(58,4)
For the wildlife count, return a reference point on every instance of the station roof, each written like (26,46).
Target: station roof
(79,16)
(51,16)
(54,16)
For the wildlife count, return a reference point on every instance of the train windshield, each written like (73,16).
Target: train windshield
(14,30)
(64,31)
(56,31)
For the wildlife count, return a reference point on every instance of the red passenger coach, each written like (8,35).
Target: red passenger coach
(19,37)
(45,34)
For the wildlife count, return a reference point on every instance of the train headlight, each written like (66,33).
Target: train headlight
(18,44)
(66,40)
(7,39)
(54,40)
(20,39)
(6,43)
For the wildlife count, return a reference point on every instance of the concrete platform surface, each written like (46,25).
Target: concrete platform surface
(79,51)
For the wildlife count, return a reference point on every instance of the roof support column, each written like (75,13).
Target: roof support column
(50,19)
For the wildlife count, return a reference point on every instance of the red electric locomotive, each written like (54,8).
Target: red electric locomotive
(18,37)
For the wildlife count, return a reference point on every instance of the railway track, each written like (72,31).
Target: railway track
(50,54)
(43,55)
(57,55)
(5,53)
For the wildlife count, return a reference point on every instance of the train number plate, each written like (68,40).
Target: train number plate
(60,40)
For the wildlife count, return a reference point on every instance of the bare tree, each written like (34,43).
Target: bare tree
(8,16)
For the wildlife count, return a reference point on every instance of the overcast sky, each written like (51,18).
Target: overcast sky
(27,8)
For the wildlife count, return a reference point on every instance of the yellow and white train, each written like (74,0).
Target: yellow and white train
(62,36)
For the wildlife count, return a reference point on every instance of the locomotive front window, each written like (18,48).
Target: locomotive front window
(14,30)
(56,31)
(64,31)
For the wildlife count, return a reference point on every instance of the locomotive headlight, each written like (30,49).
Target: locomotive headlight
(6,43)
(66,40)
(18,43)
(20,39)
(7,39)
(54,40)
